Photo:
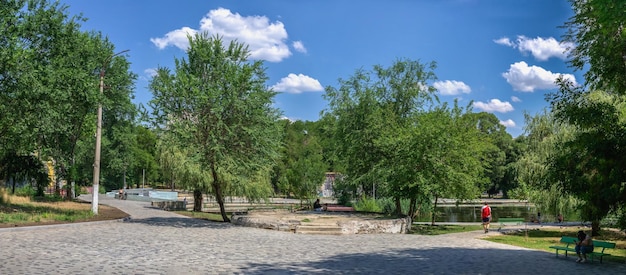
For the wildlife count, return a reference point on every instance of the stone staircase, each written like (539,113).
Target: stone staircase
(318,228)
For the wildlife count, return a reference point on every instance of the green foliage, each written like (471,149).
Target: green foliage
(49,89)
(216,103)
(366,204)
(25,191)
(395,139)
(597,31)
(302,168)
(590,163)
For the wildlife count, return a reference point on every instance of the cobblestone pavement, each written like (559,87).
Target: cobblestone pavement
(159,242)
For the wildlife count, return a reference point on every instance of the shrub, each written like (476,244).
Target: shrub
(25,191)
(367,205)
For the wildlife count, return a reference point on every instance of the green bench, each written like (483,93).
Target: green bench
(518,221)
(571,245)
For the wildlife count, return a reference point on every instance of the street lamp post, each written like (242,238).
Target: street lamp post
(96,162)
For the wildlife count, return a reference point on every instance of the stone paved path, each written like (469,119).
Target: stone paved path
(159,242)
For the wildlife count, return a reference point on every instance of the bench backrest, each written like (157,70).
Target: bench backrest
(569,240)
(603,244)
(510,219)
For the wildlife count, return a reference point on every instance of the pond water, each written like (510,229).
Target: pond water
(472,214)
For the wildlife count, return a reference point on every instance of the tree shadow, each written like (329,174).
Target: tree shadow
(180,222)
(440,261)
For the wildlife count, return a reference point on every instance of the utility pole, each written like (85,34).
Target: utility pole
(96,162)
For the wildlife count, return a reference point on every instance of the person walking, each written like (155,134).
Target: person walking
(485,214)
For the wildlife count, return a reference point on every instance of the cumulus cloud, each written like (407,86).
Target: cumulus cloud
(540,48)
(299,46)
(526,78)
(266,40)
(178,38)
(494,105)
(452,87)
(507,123)
(295,84)
(515,99)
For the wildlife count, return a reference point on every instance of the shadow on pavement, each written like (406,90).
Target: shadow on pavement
(180,222)
(441,261)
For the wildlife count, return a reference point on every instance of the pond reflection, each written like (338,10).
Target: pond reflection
(466,213)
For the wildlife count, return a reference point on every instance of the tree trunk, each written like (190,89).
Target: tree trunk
(398,207)
(197,200)
(73,184)
(217,188)
(412,208)
(595,228)
(411,214)
(434,211)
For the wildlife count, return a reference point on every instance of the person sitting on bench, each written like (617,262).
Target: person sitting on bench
(584,245)
(317,206)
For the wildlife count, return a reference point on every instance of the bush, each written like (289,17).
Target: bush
(367,205)
(25,191)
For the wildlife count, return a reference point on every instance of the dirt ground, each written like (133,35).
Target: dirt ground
(104,213)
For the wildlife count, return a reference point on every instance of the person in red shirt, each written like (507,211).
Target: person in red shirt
(485,214)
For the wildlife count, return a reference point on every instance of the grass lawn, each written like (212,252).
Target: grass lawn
(427,229)
(16,211)
(202,215)
(542,239)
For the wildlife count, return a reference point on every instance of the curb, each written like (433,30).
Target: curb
(51,226)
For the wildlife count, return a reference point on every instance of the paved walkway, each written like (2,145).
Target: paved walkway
(159,242)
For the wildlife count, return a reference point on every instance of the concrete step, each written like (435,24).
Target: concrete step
(319,229)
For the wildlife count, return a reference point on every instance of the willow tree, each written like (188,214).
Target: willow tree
(218,101)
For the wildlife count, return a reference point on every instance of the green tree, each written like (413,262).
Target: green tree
(440,157)
(590,163)
(368,106)
(303,163)
(597,31)
(397,140)
(183,166)
(144,165)
(538,184)
(499,155)
(49,82)
(220,99)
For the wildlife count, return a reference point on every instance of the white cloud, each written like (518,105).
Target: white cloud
(504,41)
(266,40)
(543,49)
(177,38)
(507,123)
(452,87)
(526,78)
(494,105)
(540,48)
(515,99)
(299,46)
(295,84)
(150,72)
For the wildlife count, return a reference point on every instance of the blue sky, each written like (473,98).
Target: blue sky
(503,55)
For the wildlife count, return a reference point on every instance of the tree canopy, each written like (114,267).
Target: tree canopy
(217,102)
